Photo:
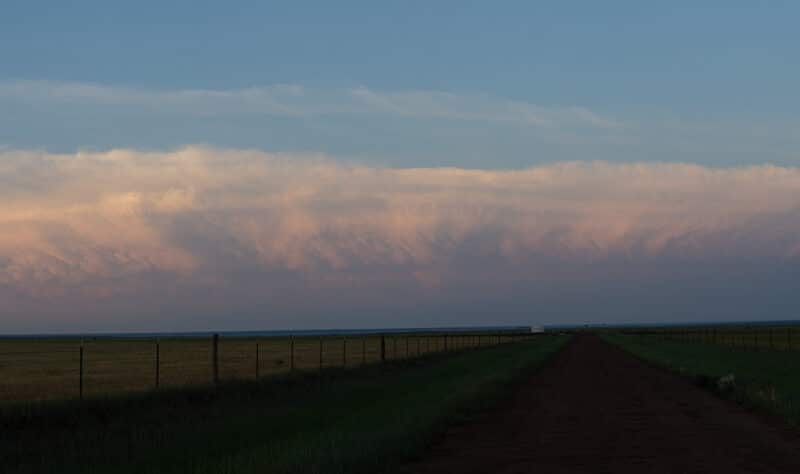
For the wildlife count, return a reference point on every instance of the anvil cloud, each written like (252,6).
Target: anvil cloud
(237,238)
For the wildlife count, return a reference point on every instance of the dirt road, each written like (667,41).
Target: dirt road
(597,409)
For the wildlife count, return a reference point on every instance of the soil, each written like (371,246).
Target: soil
(597,409)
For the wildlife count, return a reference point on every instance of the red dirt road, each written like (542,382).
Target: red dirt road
(597,409)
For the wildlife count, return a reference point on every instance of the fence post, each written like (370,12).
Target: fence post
(215,357)
(320,353)
(291,353)
(80,372)
(383,348)
(158,364)
(258,361)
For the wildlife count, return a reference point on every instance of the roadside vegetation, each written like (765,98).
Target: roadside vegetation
(764,379)
(366,419)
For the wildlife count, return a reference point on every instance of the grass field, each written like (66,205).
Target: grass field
(778,337)
(767,379)
(42,369)
(355,420)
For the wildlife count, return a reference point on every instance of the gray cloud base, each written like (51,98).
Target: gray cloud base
(203,238)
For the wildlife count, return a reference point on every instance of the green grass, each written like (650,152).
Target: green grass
(347,421)
(778,337)
(764,379)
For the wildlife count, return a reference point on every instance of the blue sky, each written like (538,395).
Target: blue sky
(704,82)
(244,165)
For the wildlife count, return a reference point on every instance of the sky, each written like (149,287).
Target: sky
(277,165)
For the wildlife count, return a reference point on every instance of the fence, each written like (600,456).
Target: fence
(777,338)
(38,369)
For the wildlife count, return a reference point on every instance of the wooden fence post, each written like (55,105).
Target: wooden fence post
(291,353)
(80,372)
(158,364)
(258,362)
(320,353)
(215,358)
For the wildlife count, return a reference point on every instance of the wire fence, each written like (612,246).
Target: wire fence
(775,338)
(42,369)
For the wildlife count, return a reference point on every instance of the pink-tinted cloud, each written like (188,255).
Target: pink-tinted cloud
(198,228)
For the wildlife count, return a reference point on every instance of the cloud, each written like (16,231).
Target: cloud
(297,101)
(400,127)
(478,108)
(219,228)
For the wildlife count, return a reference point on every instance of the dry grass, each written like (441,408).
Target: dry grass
(42,369)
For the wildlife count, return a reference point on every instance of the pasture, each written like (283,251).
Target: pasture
(748,337)
(51,369)
(365,419)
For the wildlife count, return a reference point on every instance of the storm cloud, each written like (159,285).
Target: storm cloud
(211,238)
